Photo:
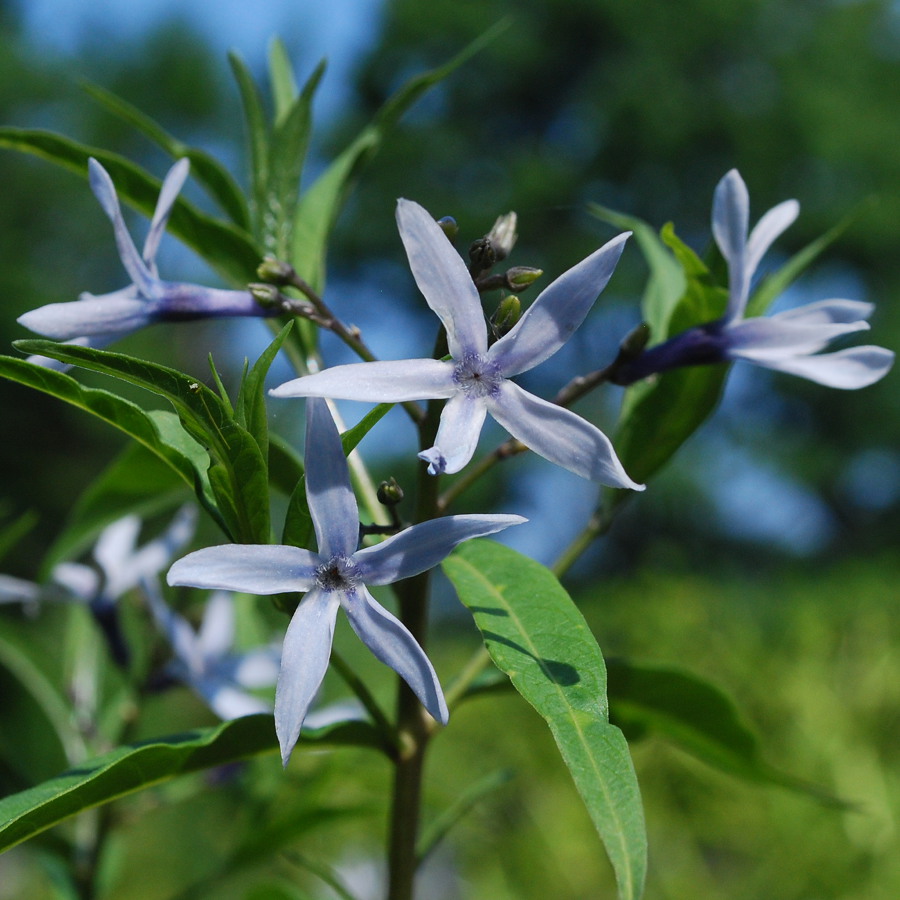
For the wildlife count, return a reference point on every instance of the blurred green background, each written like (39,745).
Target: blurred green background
(763,558)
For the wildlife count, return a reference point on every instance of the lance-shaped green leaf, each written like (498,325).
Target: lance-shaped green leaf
(207,170)
(226,248)
(281,78)
(535,633)
(250,409)
(238,475)
(320,204)
(138,766)
(287,153)
(257,137)
(170,445)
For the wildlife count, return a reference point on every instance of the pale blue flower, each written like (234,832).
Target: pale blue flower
(205,659)
(788,341)
(98,320)
(476,380)
(336,577)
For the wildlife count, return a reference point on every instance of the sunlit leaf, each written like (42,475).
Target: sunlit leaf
(536,635)
(138,766)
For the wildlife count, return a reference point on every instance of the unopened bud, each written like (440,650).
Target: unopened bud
(506,315)
(266,295)
(448,226)
(520,277)
(503,235)
(274,271)
(634,342)
(482,255)
(389,493)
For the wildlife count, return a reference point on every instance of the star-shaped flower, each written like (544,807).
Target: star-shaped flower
(789,341)
(476,380)
(205,660)
(336,577)
(98,320)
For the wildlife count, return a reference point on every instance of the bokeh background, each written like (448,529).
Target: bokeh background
(763,557)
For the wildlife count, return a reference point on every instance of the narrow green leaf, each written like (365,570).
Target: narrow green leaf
(319,206)
(257,138)
(138,766)
(122,414)
(226,248)
(281,76)
(13,532)
(352,436)
(697,716)
(208,171)
(290,141)
(236,456)
(251,403)
(535,633)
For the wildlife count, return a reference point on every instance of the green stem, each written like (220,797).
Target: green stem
(414,725)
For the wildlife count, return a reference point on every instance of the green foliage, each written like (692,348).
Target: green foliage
(137,767)
(536,635)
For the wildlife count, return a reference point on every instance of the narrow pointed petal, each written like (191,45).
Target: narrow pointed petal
(251,568)
(256,668)
(304,661)
(457,436)
(112,314)
(559,436)
(115,548)
(772,338)
(850,369)
(81,581)
(390,642)
(332,503)
(443,279)
(423,546)
(105,192)
(376,382)
(216,635)
(824,312)
(731,212)
(176,629)
(552,319)
(172,184)
(227,701)
(766,230)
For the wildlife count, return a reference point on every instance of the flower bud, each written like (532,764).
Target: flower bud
(520,277)
(634,342)
(503,235)
(508,312)
(389,493)
(266,295)
(482,255)
(274,271)
(448,226)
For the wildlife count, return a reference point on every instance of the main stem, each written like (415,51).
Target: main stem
(412,720)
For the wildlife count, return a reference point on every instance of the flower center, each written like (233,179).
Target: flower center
(476,376)
(338,574)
